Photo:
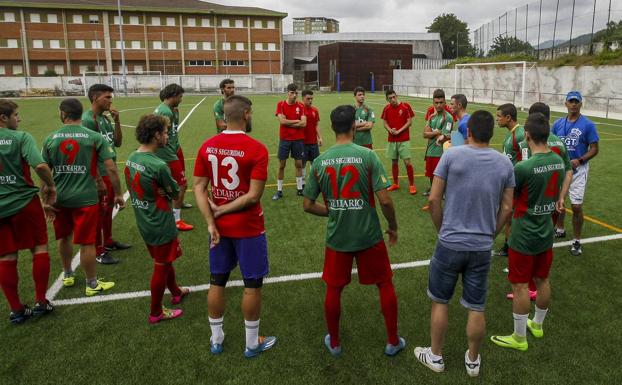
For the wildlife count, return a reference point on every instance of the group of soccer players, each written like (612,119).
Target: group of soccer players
(80,185)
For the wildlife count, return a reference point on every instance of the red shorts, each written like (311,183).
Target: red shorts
(82,221)
(166,253)
(430,165)
(368,146)
(180,155)
(178,173)
(372,264)
(23,230)
(107,199)
(525,267)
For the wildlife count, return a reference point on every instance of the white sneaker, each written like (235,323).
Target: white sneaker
(424,355)
(472,367)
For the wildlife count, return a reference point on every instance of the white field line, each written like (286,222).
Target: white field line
(75,262)
(282,278)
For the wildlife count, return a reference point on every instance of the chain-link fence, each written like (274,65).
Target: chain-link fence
(553,28)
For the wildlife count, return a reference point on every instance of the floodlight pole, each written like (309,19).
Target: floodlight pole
(123,72)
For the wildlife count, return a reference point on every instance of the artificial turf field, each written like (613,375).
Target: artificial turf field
(111,341)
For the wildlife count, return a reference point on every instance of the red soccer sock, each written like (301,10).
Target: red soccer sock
(388,303)
(158,285)
(532,285)
(8,282)
(332,312)
(171,282)
(41,274)
(396,171)
(411,174)
(107,225)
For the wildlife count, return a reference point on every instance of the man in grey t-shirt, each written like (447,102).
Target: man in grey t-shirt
(478,185)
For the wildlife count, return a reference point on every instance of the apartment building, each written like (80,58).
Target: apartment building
(312,25)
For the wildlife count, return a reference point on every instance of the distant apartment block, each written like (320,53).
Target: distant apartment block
(311,25)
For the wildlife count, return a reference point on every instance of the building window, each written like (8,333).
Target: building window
(157,45)
(134,20)
(200,63)
(258,24)
(232,63)
(41,69)
(8,43)
(205,23)
(115,20)
(2,70)
(35,18)
(397,63)
(171,45)
(271,46)
(191,22)
(239,23)
(37,44)
(79,44)
(192,45)
(138,69)
(207,46)
(77,19)
(55,44)
(94,19)
(9,17)
(17,69)
(155,20)
(224,23)
(258,46)
(271,24)
(117,44)
(96,44)
(239,46)
(170,21)
(136,44)
(226,46)
(59,69)
(83,69)
(52,18)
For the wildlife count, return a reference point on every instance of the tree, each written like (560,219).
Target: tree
(455,36)
(509,44)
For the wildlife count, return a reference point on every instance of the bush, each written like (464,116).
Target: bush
(50,72)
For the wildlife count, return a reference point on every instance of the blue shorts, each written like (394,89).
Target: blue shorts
(250,253)
(445,267)
(294,147)
(312,151)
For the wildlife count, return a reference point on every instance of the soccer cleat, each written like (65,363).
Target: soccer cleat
(299,193)
(510,342)
(575,249)
(392,350)
(69,281)
(277,195)
(535,329)
(115,245)
(503,251)
(336,351)
(183,226)
(393,187)
(425,208)
(472,367)
(215,348)
(424,356)
(166,315)
(560,233)
(427,193)
(19,317)
(532,295)
(101,286)
(176,299)
(186,205)
(42,308)
(265,343)
(106,259)
(412,190)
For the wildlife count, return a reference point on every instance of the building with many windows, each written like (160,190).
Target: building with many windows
(309,25)
(71,37)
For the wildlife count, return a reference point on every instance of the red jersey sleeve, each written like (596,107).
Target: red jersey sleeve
(384,113)
(411,113)
(429,113)
(302,110)
(260,168)
(279,109)
(201,168)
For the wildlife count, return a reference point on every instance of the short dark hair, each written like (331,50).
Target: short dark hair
(7,107)
(438,93)
(481,125)
(342,119)
(461,100)
(508,109)
(234,107)
(72,108)
(97,89)
(537,125)
(388,92)
(170,91)
(292,87)
(359,89)
(542,108)
(306,92)
(224,82)
(148,126)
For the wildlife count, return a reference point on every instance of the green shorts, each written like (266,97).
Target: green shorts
(398,150)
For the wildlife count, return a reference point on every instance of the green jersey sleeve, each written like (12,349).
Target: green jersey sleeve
(520,175)
(29,151)
(166,181)
(312,187)
(379,178)
(44,152)
(219,112)
(371,116)
(104,151)
(89,123)
(565,158)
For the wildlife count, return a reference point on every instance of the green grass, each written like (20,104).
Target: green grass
(603,58)
(111,342)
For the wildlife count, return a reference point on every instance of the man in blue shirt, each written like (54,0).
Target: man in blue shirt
(458,106)
(581,138)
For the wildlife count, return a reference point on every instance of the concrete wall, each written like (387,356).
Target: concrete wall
(491,84)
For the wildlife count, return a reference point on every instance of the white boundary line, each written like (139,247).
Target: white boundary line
(282,278)
(75,262)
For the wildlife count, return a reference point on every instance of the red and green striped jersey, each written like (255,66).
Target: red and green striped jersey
(442,123)
(18,152)
(145,173)
(538,181)
(73,153)
(347,175)
(169,152)
(511,141)
(555,144)
(100,123)
(364,114)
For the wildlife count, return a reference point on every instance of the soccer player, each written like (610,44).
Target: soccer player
(171,96)
(397,117)
(581,138)
(432,110)
(71,152)
(348,175)
(313,134)
(100,96)
(365,119)
(227,88)
(152,188)
(458,106)
(437,131)
(466,233)
(538,182)
(234,168)
(22,220)
(292,120)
